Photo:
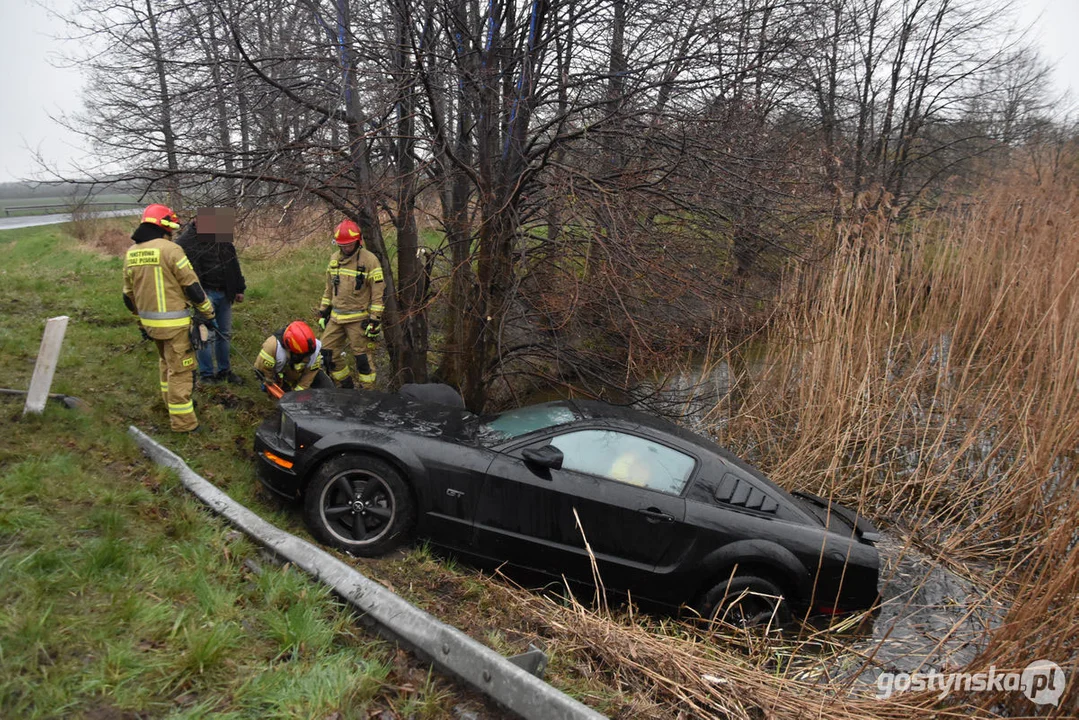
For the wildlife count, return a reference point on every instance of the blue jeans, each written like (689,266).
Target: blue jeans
(218,345)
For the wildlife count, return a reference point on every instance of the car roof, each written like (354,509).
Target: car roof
(598,410)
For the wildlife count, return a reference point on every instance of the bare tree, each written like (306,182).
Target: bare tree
(607,172)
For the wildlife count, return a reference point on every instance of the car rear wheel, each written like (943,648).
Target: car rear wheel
(360,504)
(747,601)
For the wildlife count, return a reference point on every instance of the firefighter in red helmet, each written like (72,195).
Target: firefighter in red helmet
(350,313)
(291,358)
(159,285)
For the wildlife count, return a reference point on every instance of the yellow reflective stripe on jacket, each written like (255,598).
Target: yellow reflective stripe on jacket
(206,307)
(169,323)
(348,317)
(325,302)
(347,272)
(184,262)
(375,275)
(159,286)
(377,308)
(267,358)
(181,408)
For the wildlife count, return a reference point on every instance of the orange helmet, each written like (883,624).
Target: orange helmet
(161,215)
(299,338)
(347,233)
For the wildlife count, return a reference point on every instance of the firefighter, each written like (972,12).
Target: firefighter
(292,359)
(159,284)
(350,314)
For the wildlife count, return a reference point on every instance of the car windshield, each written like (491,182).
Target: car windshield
(515,423)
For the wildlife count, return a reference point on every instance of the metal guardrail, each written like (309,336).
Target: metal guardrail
(443,645)
(62,207)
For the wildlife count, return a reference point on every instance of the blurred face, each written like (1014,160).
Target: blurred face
(347,250)
(218,222)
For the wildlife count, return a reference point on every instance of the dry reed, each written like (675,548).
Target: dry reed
(931,378)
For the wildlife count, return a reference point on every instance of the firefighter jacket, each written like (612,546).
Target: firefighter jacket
(354,287)
(276,363)
(156,273)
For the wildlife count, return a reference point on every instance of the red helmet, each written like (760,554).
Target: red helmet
(347,233)
(298,338)
(161,215)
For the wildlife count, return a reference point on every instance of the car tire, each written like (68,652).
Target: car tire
(748,601)
(359,504)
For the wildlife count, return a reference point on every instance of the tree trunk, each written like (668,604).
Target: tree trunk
(173,180)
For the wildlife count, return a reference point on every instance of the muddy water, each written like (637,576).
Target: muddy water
(929,618)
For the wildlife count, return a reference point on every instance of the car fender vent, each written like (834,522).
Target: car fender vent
(733,490)
(726,488)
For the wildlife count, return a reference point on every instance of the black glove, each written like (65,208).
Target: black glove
(142,331)
(373,328)
(324,316)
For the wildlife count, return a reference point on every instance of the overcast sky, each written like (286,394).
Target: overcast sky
(33,89)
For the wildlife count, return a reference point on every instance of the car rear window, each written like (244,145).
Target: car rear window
(515,423)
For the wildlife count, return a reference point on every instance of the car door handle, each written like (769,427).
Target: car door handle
(655,515)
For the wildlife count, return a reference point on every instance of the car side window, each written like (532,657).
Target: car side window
(625,458)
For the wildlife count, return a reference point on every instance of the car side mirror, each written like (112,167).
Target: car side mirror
(547,456)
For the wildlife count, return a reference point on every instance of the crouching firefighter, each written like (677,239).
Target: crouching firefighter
(350,313)
(291,359)
(159,284)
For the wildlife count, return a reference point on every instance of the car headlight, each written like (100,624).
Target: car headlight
(288,431)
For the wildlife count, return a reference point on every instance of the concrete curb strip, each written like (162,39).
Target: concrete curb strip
(446,647)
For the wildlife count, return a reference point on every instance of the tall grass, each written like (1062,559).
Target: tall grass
(929,374)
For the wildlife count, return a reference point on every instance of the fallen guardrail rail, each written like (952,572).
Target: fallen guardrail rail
(449,649)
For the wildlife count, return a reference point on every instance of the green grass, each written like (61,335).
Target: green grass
(119,592)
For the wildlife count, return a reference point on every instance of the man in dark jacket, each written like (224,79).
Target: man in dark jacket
(207,241)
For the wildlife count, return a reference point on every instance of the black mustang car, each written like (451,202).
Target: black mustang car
(669,516)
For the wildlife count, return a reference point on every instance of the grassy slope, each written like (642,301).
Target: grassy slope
(119,592)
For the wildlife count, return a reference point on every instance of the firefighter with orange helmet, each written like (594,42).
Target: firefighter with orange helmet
(351,309)
(159,285)
(292,359)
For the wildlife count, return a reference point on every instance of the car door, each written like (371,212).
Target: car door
(449,496)
(619,490)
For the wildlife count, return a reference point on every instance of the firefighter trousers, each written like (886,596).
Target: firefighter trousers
(339,339)
(176,364)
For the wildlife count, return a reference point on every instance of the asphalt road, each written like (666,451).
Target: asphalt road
(14,223)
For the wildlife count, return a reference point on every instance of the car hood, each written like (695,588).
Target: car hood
(322,412)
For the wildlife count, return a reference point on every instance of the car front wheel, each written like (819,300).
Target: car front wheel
(747,601)
(360,504)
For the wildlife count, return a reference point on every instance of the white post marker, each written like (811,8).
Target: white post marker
(45,367)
